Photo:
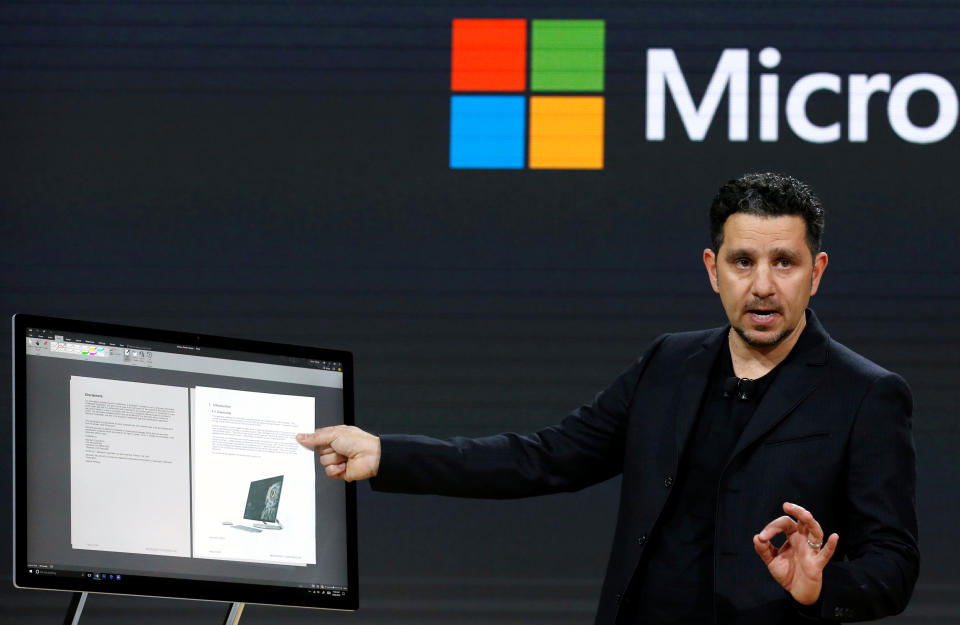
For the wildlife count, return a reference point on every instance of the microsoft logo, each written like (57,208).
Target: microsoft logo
(496,121)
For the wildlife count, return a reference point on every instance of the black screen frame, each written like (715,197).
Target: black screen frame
(159,586)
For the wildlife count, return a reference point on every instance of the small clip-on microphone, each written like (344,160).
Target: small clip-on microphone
(741,387)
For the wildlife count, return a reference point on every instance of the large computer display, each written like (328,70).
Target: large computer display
(163,463)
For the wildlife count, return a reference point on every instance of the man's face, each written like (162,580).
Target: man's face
(765,276)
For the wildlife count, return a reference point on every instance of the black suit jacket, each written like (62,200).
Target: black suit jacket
(832,433)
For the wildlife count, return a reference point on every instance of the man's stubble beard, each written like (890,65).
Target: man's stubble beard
(770,343)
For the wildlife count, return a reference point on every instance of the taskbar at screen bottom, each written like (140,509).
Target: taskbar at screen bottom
(47,577)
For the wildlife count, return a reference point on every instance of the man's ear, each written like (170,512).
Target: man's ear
(819,266)
(710,262)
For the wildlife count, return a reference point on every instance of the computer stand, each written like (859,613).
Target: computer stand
(234,610)
(79,599)
(269,525)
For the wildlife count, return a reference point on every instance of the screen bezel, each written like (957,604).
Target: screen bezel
(158,586)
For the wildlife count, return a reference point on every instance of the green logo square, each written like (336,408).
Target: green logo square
(567,55)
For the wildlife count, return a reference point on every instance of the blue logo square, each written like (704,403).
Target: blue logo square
(487,132)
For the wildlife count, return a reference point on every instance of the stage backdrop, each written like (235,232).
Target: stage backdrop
(496,218)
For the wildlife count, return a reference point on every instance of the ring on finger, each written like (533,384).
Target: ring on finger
(818,545)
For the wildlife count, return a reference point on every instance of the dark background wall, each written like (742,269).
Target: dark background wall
(279,171)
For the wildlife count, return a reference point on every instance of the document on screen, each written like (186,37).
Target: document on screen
(129,467)
(254,496)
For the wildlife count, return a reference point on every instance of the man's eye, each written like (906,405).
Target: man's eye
(784,263)
(742,263)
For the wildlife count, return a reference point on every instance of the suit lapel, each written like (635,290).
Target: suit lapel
(694,380)
(800,374)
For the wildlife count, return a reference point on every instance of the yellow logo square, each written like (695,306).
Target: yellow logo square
(566,132)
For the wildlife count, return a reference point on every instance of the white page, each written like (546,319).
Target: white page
(242,437)
(129,469)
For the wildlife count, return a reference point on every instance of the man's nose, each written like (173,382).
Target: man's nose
(763,285)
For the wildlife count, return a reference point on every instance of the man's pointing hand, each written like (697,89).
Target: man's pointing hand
(346,452)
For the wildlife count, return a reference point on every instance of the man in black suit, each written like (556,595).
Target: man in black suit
(715,433)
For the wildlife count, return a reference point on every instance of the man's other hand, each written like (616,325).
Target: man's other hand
(346,452)
(798,564)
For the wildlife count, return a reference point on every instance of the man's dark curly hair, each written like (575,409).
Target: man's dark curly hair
(769,195)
